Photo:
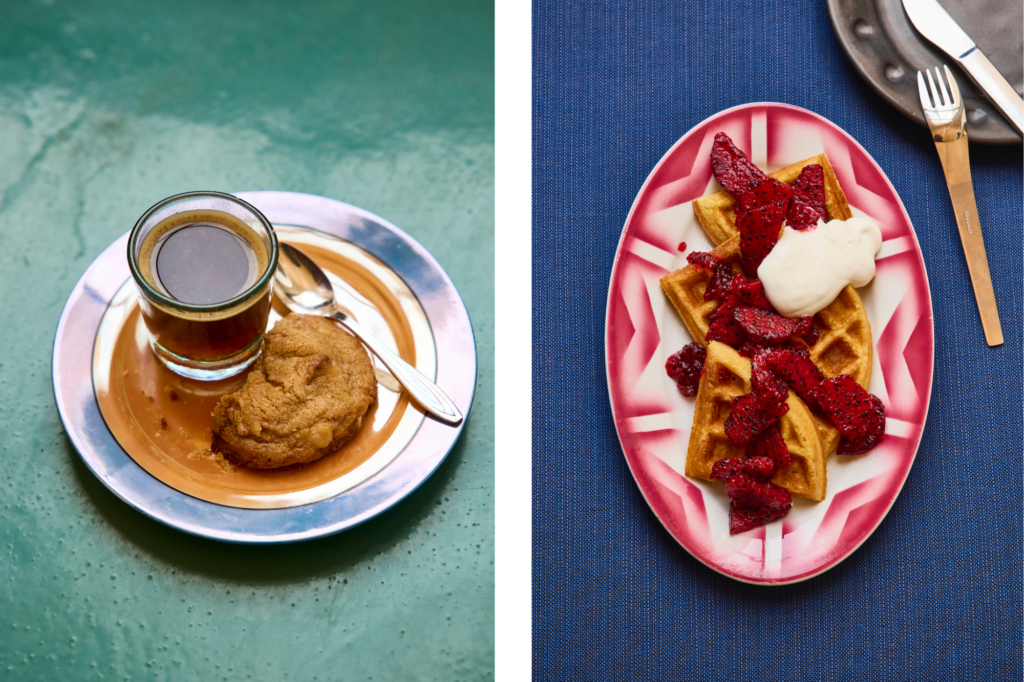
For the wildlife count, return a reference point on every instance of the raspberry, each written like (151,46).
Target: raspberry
(685,368)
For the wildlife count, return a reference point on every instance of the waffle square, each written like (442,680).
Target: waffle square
(727,375)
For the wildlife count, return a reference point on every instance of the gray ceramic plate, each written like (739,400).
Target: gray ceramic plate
(887,51)
(101,452)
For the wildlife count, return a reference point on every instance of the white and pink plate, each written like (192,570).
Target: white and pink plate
(653,419)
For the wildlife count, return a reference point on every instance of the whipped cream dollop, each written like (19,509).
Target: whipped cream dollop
(807,269)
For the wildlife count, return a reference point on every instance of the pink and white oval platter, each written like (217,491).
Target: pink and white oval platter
(653,419)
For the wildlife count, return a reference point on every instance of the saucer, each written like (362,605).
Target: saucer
(145,432)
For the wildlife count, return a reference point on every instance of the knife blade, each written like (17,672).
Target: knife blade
(935,24)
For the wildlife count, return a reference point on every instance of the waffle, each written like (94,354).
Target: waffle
(844,345)
(727,375)
(716,212)
(685,288)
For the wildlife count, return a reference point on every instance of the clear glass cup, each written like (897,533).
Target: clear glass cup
(183,259)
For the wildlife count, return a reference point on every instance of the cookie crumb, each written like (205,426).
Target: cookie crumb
(185,433)
(219,459)
(163,423)
(170,392)
(201,454)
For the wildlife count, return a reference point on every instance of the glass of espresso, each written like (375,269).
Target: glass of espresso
(204,266)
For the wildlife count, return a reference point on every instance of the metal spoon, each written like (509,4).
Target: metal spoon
(306,289)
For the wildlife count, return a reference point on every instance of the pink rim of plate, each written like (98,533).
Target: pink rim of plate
(643,329)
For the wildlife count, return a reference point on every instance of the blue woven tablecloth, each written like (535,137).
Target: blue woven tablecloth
(935,593)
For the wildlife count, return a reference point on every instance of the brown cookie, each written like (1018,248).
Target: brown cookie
(305,397)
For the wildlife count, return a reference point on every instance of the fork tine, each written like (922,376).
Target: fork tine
(932,90)
(922,90)
(954,90)
(942,86)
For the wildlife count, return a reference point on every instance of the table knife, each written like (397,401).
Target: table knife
(935,24)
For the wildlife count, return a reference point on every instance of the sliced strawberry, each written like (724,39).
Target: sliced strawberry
(742,520)
(752,413)
(732,168)
(764,326)
(765,383)
(769,445)
(704,259)
(760,468)
(806,331)
(723,327)
(750,291)
(796,347)
(750,348)
(720,286)
(747,419)
(859,416)
(745,491)
(801,215)
(759,217)
(810,185)
(849,446)
(792,363)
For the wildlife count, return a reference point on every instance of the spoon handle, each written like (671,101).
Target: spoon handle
(423,390)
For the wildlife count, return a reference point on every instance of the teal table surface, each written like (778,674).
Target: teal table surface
(107,107)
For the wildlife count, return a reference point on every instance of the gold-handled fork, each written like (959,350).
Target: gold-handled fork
(946,116)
